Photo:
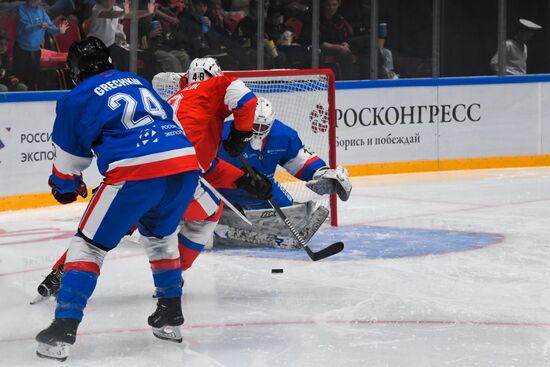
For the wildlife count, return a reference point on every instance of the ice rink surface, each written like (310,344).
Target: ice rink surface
(440,269)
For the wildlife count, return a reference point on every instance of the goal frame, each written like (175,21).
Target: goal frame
(331,113)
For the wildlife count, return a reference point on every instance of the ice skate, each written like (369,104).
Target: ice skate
(54,341)
(167,319)
(49,286)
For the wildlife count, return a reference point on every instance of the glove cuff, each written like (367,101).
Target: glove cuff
(320,173)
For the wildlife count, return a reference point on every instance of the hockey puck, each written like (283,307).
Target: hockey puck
(275,271)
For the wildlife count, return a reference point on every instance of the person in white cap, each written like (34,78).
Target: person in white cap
(516,49)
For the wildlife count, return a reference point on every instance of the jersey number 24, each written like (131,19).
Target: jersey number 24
(150,104)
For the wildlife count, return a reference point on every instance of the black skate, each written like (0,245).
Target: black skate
(167,319)
(55,340)
(49,286)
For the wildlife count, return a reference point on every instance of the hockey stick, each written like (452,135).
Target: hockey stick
(315,256)
(226,202)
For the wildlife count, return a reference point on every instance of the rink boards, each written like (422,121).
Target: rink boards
(382,127)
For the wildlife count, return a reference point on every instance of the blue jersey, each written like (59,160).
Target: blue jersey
(282,146)
(118,117)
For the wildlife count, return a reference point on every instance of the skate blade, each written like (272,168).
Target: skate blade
(38,299)
(170,333)
(59,351)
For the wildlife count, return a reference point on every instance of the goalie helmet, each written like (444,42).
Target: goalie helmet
(87,58)
(202,69)
(263,120)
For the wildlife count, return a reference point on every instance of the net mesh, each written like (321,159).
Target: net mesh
(166,84)
(301,102)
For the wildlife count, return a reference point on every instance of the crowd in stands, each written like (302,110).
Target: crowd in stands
(35,36)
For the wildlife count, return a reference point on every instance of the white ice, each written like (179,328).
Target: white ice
(481,307)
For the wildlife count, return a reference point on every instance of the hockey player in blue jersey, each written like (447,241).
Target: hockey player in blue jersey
(151,173)
(274,143)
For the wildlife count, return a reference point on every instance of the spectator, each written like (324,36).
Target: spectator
(290,52)
(158,46)
(516,49)
(195,35)
(169,13)
(8,81)
(335,32)
(218,20)
(220,34)
(246,36)
(105,24)
(385,69)
(57,8)
(32,24)
(190,34)
(83,11)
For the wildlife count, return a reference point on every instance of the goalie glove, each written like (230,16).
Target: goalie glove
(257,184)
(329,181)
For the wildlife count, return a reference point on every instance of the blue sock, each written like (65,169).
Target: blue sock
(168,283)
(76,287)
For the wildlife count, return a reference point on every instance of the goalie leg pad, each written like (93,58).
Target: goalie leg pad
(269,230)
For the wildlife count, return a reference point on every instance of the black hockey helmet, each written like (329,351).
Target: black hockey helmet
(88,57)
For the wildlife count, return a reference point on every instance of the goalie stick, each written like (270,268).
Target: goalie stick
(314,255)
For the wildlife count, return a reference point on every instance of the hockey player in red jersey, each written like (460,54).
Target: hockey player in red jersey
(205,100)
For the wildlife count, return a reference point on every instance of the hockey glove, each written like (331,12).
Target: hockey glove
(257,185)
(329,181)
(236,141)
(68,197)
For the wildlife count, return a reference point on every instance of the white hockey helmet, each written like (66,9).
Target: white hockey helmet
(263,120)
(203,68)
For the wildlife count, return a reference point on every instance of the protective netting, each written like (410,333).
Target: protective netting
(301,102)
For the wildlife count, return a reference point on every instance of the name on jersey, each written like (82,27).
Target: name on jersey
(114,84)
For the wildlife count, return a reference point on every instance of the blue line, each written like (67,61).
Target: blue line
(340,85)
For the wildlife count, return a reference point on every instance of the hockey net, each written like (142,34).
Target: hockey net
(303,100)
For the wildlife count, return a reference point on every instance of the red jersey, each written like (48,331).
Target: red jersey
(202,107)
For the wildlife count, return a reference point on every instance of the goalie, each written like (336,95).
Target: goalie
(273,143)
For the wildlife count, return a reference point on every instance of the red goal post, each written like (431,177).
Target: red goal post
(304,100)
